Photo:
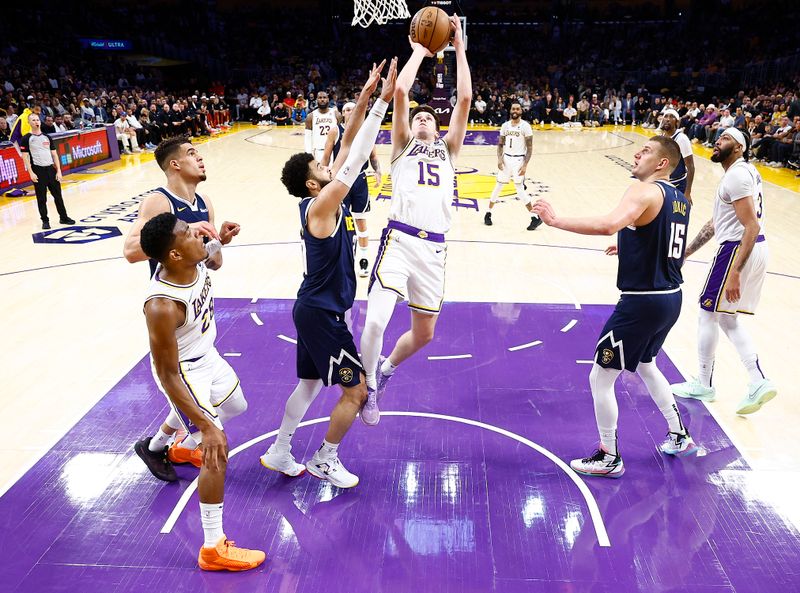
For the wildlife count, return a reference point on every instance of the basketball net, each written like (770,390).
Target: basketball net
(366,12)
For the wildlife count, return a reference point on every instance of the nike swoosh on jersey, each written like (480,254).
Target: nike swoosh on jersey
(182,209)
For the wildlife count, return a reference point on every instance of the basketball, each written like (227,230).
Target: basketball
(431,28)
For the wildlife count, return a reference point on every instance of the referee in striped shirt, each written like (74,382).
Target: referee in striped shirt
(41,161)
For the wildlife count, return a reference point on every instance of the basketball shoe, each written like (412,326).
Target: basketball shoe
(487,219)
(694,389)
(156,461)
(177,454)
(601,465)
(370,414)
(535,223)
(678,444)
(282,461)
(758,394)
(332,470)
(226,556)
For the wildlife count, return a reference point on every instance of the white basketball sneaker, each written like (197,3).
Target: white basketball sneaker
(758,394)
(678,444)
(332,470)
(601,465)
(694,389)
(282,461)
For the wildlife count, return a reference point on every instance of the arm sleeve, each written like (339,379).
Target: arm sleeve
(362,144)
(309,141)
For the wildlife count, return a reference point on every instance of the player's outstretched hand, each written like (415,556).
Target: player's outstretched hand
(545,211)
(215,448)
(418,47)
(372,81)
(457,34)
(387,91)
(206,229)
(228,231)
(612,249)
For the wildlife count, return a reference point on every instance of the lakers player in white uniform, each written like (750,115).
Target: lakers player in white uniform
(411,256)
(319,123)
(737,273)
(200,386)
(514,151)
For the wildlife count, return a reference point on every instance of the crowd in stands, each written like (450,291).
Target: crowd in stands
(564,72)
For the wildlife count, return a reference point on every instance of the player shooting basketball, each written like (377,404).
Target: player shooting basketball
(411,256)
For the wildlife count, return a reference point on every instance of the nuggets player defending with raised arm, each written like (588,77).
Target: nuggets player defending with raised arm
(326,353)
(651,220)
(411,255)
(514,151)
(357,200)
(319,123)
(736,275)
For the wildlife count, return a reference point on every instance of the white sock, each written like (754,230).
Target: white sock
(363,252)
(328,450)
(387,368)
(707,340)
(211,517)
(297,405)
(608,440)
(159,441)
(606,410)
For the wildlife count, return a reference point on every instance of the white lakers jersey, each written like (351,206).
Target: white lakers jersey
(197,334)
(515,136)
(423,183)
(741,180)
(321,125)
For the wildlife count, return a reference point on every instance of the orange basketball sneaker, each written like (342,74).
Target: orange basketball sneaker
(226,556)
(177,454)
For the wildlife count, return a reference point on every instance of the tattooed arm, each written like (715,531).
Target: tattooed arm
(702,238)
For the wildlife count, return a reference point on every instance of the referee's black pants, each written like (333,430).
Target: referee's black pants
(47,180)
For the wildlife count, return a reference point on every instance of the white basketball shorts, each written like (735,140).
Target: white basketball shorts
(411,267)
(210,381)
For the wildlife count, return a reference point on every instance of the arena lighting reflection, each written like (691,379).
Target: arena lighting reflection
(774,489)
(450,481)
(412,482)
(572,527)
(532,509)
(88,475)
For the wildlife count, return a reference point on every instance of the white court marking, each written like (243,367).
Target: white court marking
(255,318)
(569,326)
(450,357)
(591,503)
(287,339)
(232,354)
(585,361)
(523,346)
(254,300)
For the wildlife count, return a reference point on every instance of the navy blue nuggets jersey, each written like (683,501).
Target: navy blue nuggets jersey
(651,256)
(329,278)
(189,213)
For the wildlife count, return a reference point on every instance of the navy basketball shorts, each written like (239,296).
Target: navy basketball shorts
(325,348)
(357,199)
(637,329)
